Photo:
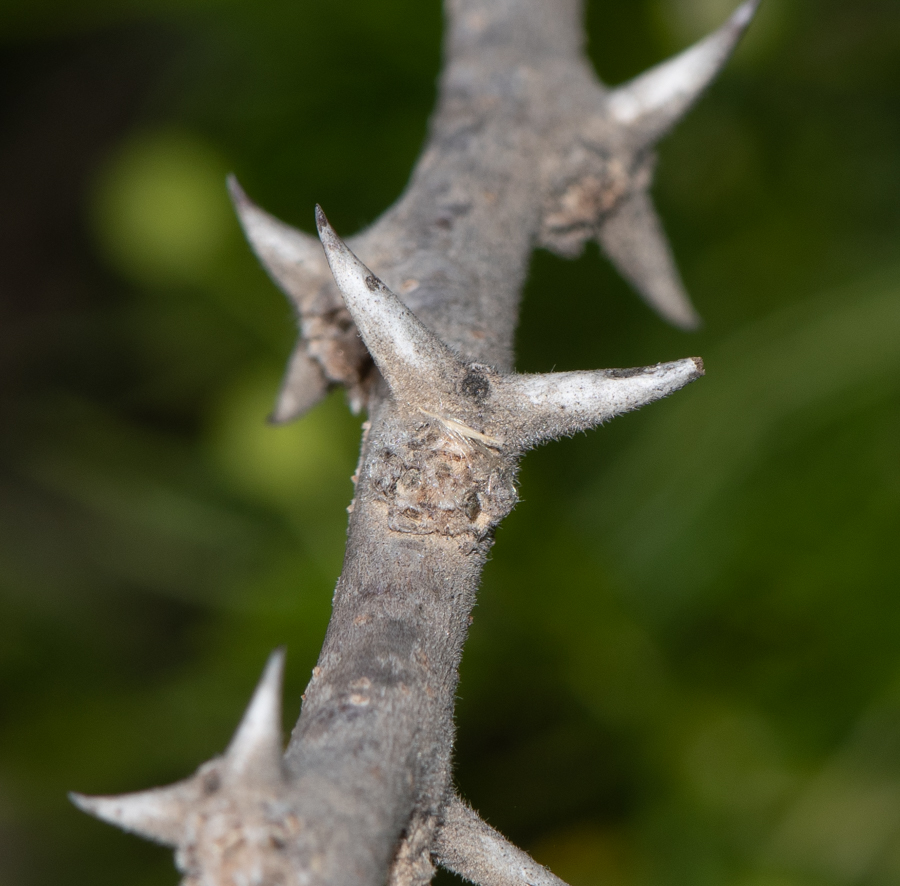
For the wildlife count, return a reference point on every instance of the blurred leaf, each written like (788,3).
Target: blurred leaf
(162,212)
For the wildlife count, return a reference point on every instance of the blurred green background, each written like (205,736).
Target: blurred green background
(685,661)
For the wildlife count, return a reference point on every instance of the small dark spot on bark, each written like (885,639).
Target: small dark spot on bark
(350,711)
(625,373)
(473,507)
(211,782)
(475,385)
(373,283)
(278,843)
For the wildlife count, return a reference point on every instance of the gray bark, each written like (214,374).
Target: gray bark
(526,149)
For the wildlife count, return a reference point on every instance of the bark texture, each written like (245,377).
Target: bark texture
(526,149)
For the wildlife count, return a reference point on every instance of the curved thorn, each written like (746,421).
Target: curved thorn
(560,403)
(256,748)
(292,258)
(158,814)
(653,102)
(304,385)
(412,359)
(634,241)
(468,846)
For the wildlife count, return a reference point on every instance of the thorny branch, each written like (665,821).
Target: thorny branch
(526,148)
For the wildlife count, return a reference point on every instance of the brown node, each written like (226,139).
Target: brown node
(582,199)
(444,479)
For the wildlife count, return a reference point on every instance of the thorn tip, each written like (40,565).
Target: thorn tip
(561,403)
(653,102)
(633,239)
(256,747)
(415,363)
(157,814)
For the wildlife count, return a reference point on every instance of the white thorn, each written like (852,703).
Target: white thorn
(158,814)
(303,387)
(656,100)
(561,403)
(471,848)
(292,258)
(634,241)
(256,748)
(412,359)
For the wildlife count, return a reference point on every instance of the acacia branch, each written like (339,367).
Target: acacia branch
(526,148)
